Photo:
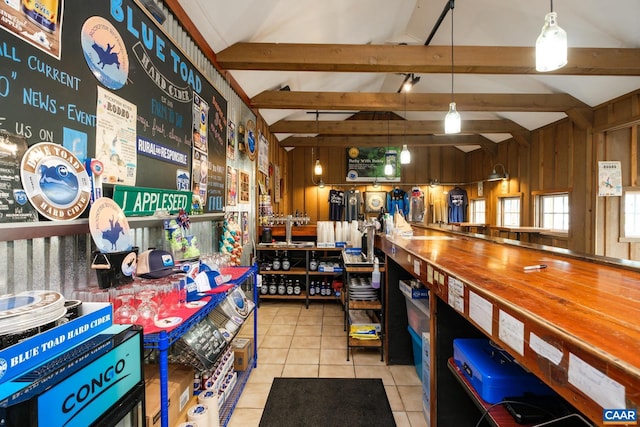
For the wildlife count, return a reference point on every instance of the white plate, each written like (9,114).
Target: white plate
(109,227)
(56,182)
(168,322)
(195,304)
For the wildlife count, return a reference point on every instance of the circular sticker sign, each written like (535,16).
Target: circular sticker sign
(105,52)
(56,182)
(110,230)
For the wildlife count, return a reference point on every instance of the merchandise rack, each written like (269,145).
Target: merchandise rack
(162,340)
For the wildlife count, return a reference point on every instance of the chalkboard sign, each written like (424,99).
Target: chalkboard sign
(103,80)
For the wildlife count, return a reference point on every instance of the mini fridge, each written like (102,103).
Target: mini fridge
(99,382)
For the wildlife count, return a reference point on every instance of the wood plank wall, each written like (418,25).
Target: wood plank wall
(562,157)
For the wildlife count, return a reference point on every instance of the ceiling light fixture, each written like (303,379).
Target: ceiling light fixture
(405,154)
(409,82)
(495,176)
(317,169)
(551,45)
(452,121)
(388,167)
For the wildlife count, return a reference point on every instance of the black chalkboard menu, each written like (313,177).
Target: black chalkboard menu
(105,81)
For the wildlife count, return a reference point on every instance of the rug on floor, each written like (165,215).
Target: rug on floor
(315,402)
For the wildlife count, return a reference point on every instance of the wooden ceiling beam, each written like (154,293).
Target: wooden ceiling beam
(383,140)
(369,101)
(421,59)
(393,127)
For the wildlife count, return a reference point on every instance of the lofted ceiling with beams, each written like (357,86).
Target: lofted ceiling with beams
(348,59)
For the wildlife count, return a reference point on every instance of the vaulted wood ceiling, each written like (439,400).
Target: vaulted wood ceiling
(309,47)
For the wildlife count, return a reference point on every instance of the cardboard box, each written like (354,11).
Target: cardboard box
(242,353)
(180,390)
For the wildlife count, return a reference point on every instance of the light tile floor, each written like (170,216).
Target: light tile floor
(294,341)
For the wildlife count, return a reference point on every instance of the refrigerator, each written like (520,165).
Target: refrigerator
(99,382)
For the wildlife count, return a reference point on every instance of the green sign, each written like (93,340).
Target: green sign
(368,164)
(140,201)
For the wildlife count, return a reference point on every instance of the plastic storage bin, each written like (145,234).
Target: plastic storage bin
(418,315)
(416,342)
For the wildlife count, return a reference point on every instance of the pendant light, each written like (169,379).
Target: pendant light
(388,167)
(405,154)
(551,45)
(452,119)
(317,169)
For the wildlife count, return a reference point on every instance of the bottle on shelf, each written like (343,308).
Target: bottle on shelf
(282,287)
(313,262)
(375,276)
(264,288)
(289,289)
(286,264)
(276,264)
(297,288)
(273,287)
(318,285)
(312,288)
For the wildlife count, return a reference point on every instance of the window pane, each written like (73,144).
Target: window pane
(510,211)
(632,214)
(555,212)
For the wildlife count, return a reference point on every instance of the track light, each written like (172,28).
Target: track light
(409,82)
(321,183)
(551,45)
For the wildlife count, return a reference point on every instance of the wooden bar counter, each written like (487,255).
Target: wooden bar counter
(575,324)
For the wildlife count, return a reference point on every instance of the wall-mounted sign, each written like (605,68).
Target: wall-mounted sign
(367,164)
(141,201)
(609,178)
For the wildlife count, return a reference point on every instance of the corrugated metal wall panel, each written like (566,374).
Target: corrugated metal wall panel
(64,263)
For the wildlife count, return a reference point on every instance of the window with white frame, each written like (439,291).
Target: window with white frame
(509,211)
(631,212)
(554,211)
(478,211)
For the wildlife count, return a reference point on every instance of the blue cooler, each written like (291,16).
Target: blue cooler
(492,372)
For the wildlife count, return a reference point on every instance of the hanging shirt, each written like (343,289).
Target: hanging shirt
(336,205)
(416,205)
(398,199)
(458,201)
(352,205)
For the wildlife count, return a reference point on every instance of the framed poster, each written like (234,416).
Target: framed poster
(244,187)
(232,186)
(366,164)
(277,183)
(374,200)
(263,154)
(231,140)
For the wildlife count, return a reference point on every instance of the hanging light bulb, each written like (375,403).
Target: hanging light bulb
(317,169)
(452,121)
(551,45)
(405,155)
(388,169)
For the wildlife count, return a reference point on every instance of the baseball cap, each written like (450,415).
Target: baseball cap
(156,263)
